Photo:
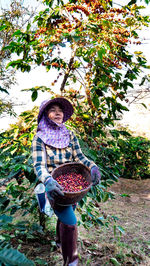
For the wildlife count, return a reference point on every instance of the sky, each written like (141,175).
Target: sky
(39,76)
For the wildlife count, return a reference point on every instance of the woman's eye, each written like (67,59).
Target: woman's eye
(54,110)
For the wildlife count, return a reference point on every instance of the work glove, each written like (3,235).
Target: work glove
(53,189)
(95,175)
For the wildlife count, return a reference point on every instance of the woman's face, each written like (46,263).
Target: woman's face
(56,114)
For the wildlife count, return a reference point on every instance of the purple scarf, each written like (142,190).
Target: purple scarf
(52,134)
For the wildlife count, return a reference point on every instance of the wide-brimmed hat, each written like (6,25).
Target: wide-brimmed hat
(65,104)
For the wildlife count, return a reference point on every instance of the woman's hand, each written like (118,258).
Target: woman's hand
(53,189)
(95,175)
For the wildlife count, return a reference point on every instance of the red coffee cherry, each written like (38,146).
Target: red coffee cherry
(72,182)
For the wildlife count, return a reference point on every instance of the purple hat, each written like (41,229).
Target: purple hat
(65,104)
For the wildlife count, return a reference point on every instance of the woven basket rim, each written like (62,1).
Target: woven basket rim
(71,163)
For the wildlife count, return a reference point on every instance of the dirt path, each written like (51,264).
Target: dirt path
(138,190)
(133,212)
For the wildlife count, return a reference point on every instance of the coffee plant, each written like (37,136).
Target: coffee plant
(95,76)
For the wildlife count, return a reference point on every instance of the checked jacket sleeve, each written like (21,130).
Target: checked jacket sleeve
(39,159)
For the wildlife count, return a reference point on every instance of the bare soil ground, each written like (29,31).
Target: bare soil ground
(132,247)
(99,246)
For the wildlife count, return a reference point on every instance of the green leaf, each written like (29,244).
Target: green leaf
(115,218)
(19,64)
(2,238)
(13,151)
(4,90)
(124,195)
(109,181)
(121,230)
(125,133)
(100,219)
(120,107)
(115,262)
(17,33)
(132,2)
(115,133)
(144,105)
(6,218)
(3,27)
(62,44)
(39,58)
(114,229)
(34,95)
(28,26)
(105,197)
(76,38)
(96,101)
(14,257)
(101,52)
(12,64)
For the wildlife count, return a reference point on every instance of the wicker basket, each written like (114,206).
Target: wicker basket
(70,198)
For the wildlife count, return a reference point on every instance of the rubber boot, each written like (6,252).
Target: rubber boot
(68,238)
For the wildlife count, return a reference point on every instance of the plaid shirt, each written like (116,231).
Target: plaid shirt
(46,158)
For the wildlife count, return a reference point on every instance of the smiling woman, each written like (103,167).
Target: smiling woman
(53,146)
(55,113)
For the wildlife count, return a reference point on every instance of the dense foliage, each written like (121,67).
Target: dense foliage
(87,42)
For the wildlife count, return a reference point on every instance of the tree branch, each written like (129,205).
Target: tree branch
(67,73)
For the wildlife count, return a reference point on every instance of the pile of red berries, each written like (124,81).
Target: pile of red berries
(72,182)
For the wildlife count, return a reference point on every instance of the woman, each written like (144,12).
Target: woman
(52,146)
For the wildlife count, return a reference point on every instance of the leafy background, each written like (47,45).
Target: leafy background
(95,77)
